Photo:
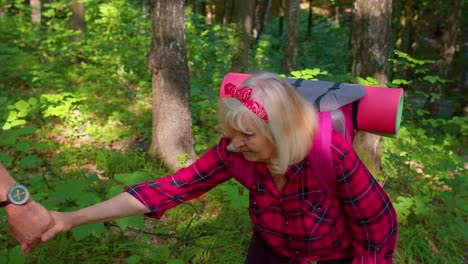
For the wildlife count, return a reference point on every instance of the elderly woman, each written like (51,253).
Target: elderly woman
(268,125)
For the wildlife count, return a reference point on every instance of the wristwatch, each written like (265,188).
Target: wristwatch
(18,194)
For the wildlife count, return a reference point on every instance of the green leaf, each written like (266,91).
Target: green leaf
(70,190)
(421,207)
(12,116)
(23,147)
(22,107)
(165,253)
(401,82)
(33,101)
(3,257)
(84,231)
(5,159)
(433,79)
(40,145)
(26,130)
(236,198)
(134,178)
(3,100)
(136,221)
(18,122)
(8,139)
(29,162)
(134,259)
(15,255)
(114,190)
(6,126)
(435,96)
(87,198)
(403,207)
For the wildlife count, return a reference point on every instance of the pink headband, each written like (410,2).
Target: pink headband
(243,95)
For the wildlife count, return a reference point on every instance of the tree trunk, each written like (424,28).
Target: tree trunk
(228,11)
(370,50)
(282,6)
(172,134)
(240,58)
(35,11)
(448,47)
(77,20)
(413,26)
(309,20)
(209,12)
(259,9)
(292,35)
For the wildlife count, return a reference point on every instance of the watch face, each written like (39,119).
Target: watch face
(18,194)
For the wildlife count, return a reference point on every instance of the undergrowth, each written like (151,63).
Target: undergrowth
(75,124)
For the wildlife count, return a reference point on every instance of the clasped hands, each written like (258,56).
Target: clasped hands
(32,224)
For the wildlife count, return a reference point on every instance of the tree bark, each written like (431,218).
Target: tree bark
(172,134)
(292,35)
(370,50)
(77,19)
(282,6)
(451,26)
(35,11)
(309,20)
(240,58)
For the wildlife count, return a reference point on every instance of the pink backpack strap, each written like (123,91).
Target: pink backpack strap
(320,156)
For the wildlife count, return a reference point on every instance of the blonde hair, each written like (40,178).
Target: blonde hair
(291,124)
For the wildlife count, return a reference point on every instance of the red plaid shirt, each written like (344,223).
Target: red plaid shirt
(303,222)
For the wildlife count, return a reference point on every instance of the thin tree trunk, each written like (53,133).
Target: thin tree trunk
(309,20)
(35,11)
(262,11)
(370,50)
(209,13)
(281,17)
(226,9)
(292,35)
(448,48)
(77,20)
(240,60)
(172,134)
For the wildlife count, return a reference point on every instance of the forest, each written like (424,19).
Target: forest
(87,88)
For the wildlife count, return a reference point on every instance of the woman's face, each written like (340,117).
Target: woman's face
(252,144)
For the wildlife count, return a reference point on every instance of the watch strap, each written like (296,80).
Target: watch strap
(4,203)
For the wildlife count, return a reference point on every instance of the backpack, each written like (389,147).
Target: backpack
(341,107)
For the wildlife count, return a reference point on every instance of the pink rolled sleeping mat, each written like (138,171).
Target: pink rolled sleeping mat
(380,110)
(375,110)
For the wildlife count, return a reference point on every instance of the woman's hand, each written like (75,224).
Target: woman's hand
(62,222)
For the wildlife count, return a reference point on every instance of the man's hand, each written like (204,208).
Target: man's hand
(27,223)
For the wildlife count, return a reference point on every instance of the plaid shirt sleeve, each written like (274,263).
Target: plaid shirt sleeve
(369,210)
(210,170)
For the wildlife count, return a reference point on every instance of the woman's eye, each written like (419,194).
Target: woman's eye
(248,135)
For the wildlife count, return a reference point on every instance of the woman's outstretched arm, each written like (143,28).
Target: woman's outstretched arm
(119,206)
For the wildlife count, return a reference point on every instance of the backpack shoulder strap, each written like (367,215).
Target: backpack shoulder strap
(320,158)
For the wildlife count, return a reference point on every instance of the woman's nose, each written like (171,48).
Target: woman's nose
(238,141)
